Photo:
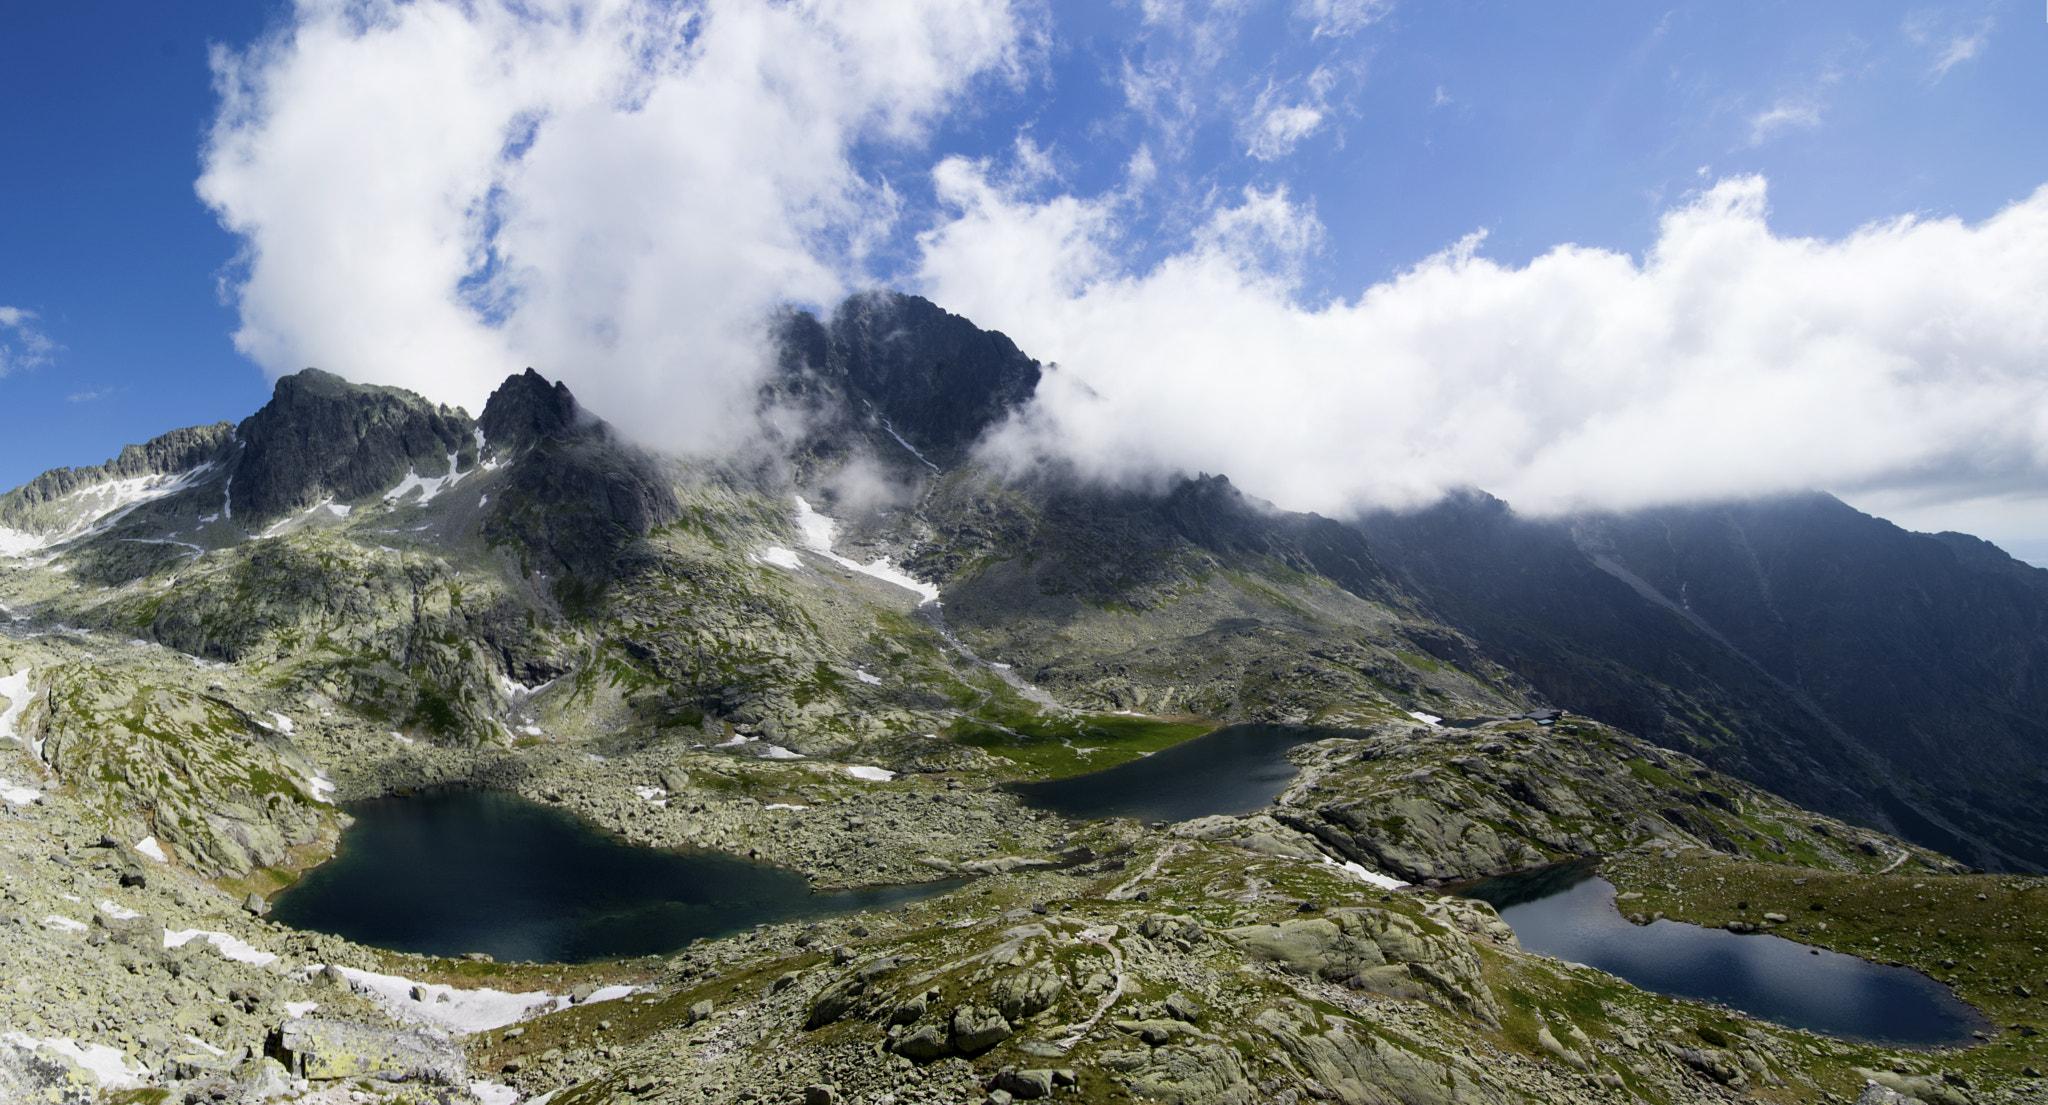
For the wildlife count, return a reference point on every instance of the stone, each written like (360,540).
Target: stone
(1025,1085)
(320,1049)
(1182,1008)
(262,1079)
(1875,1094)
(1157,1033)
(820,1095)
(1026,993)
(978,1028)
(1549,1042)
(834,1002)
(924,1045)
(254,905)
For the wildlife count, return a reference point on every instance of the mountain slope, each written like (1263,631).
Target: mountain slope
(1860,669)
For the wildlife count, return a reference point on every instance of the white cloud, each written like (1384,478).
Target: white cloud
(1341,17)
(1277,130)
(1784,115)
(437,193)
(22,345)
(1946,47)
(1728,361)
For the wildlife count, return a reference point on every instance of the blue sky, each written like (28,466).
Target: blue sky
(1283,186)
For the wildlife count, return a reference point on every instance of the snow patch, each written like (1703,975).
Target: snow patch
(97,508)
(229,947)
(1364,874)
(15,688)
(817,533)
(117,911)
(870,680)
(462,1011)
(651,794)
(871,774)
(427,486)
(491,1093)
(401,738)
(63,924)
(783,806)
(785,559)
(320,787)
(111,1067)
(299,1008)
(1426,719)
(284,724)
(17,796)
(149,847)
(737,740)
(777,752)
(339,510)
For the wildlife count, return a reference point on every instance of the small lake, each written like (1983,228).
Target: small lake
(1568,912)
(1236,769)
(460,871)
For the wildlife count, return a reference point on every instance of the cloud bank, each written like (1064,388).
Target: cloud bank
(436,193)
(1728,361)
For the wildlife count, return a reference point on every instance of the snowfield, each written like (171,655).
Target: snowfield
(818,530)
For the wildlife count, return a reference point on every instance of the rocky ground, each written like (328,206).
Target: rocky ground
(691,656)
(1228,959)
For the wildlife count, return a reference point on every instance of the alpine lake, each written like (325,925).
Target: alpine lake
(1568,912)
(454,871)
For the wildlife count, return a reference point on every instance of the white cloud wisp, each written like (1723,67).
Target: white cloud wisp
(435,194)
(22,345)
(1728,361)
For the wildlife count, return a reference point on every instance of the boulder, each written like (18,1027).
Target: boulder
(1026,993)
(1354,945)
(1199,1074)
(978,1028)
(924,1045)
(835,1001)
(320,1049)
(1025,1085)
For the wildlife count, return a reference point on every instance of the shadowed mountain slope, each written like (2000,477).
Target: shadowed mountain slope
(1891,677)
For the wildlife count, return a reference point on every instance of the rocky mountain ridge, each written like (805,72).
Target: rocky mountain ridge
(748,656)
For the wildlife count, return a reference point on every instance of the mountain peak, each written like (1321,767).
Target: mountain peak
(526,408)
(321,436)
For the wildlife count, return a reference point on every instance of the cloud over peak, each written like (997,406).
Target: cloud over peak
(1727,361)
(435,193)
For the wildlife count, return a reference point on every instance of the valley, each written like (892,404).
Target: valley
(212,646)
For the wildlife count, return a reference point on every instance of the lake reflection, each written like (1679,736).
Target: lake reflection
(481,871)
(1569,913)
(1236,769)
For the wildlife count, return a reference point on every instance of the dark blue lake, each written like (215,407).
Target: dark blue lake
(460,871)
(1236,769)
(1568,912)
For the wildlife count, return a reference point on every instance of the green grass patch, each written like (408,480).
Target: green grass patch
(1054,747)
